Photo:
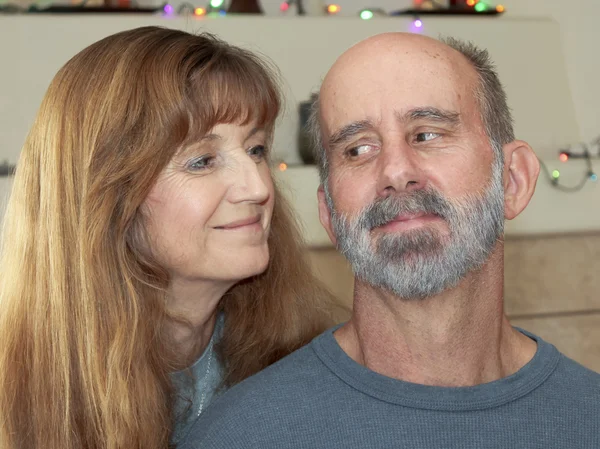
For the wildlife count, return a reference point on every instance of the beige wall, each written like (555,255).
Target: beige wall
(580,34)
(552,288)
(528,54)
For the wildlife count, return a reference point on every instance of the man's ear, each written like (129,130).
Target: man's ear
(521,170)
(325,214)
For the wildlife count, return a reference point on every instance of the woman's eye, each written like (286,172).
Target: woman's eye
(201,163)
(426,137)
(257,152)
(358,151)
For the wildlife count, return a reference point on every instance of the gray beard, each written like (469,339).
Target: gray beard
(421,263)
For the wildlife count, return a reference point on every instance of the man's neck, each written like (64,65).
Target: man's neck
(458,338)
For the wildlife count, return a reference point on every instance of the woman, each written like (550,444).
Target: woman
(147,257)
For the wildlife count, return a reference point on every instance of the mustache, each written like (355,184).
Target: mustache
(385,210)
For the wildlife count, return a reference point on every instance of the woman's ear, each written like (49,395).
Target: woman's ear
(521,170)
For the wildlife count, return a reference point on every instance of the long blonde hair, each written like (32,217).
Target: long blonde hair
(84,359)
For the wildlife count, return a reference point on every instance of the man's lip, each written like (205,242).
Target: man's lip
(240,223)
(407,217)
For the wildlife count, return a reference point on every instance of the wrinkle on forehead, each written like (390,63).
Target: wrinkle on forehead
(376,66)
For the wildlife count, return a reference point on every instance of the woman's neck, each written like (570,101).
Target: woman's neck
(193,307)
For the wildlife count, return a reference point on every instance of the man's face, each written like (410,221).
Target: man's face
(414,202)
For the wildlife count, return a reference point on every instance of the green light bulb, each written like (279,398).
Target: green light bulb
(216,3)
(480,7)
(366,14)
(555,174)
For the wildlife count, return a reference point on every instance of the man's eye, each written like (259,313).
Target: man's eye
(425,137)
(358,151)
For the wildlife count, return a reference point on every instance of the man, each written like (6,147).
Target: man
(419,169)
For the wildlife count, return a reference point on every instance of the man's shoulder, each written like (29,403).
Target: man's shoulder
(261,401)
(555,372)
(574,376)
(294,370)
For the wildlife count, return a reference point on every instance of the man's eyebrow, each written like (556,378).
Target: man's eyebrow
(348,131)
(433,114)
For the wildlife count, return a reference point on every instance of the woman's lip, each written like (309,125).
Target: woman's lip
(241,223)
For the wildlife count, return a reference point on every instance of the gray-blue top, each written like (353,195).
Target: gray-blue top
(196,386)
(318,397)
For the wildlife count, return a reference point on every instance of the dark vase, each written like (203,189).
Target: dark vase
(305,144)
(245,7)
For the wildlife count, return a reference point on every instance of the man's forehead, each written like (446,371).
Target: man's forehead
(362,84)
(380,105)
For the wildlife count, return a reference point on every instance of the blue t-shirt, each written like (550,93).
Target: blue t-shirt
(196,386)
(318,397)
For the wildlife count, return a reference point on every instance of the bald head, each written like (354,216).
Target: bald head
(395,67)
(401,52)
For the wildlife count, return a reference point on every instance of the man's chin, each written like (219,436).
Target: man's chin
(409,249)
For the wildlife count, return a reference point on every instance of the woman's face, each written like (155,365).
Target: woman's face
(208,215)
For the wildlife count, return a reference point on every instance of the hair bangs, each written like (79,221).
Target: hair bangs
(235,87)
